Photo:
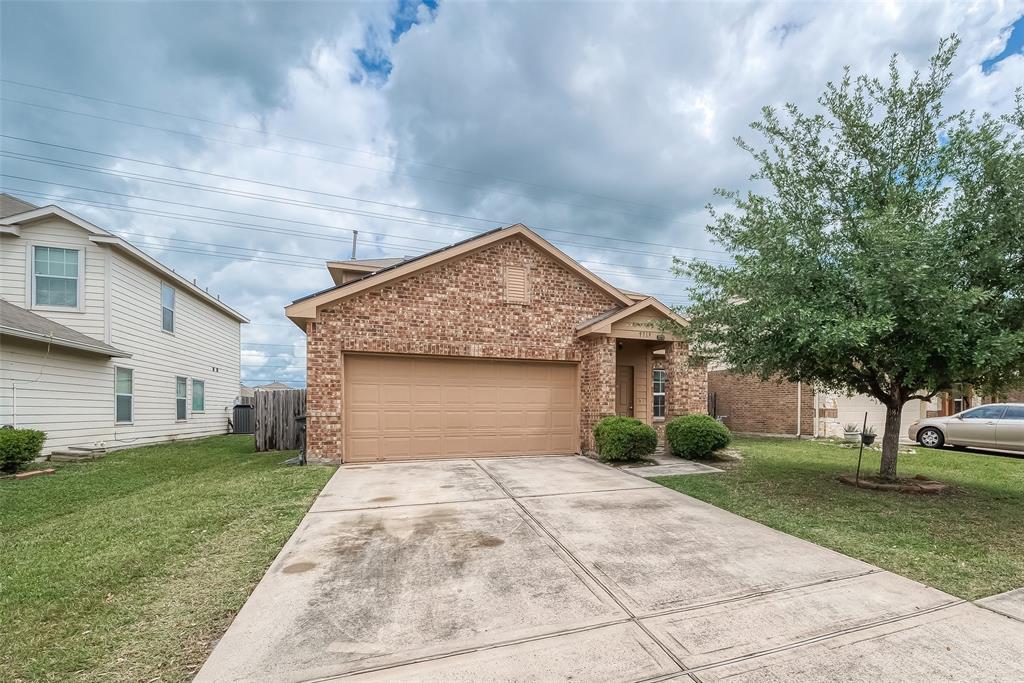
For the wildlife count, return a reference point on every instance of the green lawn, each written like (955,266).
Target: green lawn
(968,541)
(129,567)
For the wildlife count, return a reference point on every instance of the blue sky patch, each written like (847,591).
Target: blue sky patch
(1014,46)
(374,56)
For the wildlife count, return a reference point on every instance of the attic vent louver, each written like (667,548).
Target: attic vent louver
(516,289)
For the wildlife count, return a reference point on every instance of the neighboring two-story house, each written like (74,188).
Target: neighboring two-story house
(102,346)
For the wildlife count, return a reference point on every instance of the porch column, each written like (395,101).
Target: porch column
(687,389)
(597,386)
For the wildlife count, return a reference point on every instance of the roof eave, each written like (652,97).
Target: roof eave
(304,309)
(108,351)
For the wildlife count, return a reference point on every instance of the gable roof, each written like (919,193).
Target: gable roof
(304,309)
(15,321)
(10,205)
(12,225)
(602,324)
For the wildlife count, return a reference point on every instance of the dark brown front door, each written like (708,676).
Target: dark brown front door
(624,390)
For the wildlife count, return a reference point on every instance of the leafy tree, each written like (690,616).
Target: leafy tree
(886,258)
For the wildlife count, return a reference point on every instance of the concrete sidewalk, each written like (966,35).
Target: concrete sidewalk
(559,568)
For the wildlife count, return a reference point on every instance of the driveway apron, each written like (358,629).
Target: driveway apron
(560,568)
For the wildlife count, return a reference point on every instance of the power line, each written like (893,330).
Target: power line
(104,191)
(356,150)
(490,222)
(318,260)
(290,202)
(325,159)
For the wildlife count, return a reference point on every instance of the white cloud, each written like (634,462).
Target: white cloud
(620,117)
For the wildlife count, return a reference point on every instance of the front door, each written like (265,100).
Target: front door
(624,390)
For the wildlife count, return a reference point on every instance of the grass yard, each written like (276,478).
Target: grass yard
(968,541)
(129,567)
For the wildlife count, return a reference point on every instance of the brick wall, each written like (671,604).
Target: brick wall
(458,308)
(754,406)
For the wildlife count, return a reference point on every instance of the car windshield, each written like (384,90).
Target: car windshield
(984,413)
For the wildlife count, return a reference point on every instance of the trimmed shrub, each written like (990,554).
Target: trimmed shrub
(624,438)
(696,436)
(19,446)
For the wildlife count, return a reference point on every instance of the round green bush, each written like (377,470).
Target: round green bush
(696,436)
(624,438)
(19,446)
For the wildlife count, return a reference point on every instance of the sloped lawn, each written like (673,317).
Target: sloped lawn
(130,567)
(968,541)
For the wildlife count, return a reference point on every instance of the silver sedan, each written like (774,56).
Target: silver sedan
(996,425)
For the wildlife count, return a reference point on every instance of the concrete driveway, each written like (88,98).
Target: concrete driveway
(559,568)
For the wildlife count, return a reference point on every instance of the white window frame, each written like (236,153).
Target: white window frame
(173,309)
(131,372)
(30,272)
(654,394)
(202,383)
(183,415)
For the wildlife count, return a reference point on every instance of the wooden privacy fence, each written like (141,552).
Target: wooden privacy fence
(277,425)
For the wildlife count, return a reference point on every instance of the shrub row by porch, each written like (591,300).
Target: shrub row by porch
(696,436)
(624,438)
(18,447)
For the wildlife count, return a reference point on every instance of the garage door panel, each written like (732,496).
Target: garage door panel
(539,419)
(362,449)
(562,420)
(395,447)
(395,420)
(425,420)
(486,421)
(458,419)
(395,394)
(364,421)
(424,394)
(365,393)
(400,407)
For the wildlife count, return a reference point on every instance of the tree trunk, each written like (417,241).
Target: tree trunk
(890,442)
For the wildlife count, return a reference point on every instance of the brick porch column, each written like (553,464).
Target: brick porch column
(687,390)
(597,386)
(325,386)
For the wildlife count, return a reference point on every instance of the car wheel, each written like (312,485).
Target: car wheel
(930,437)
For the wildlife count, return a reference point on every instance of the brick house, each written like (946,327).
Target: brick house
(498,345)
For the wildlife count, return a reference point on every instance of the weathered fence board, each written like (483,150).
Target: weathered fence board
(277,424)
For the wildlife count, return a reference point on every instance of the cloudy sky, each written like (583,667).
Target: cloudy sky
(240,143)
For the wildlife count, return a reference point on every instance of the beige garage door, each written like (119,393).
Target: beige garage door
(401,407)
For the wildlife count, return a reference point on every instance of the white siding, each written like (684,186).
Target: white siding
(15,273)
(204,346)
(71,395)
(68,395)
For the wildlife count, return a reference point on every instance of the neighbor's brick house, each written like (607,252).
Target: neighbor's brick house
(499,345)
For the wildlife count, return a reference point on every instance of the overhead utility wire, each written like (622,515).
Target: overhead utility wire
(329,161)
(190,218)
(280,200)
(334,195)
(356,150)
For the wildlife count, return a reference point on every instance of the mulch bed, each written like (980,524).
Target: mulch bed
(918,484)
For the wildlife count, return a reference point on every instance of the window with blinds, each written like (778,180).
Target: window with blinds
(516,286)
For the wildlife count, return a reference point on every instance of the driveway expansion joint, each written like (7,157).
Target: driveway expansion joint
(827,636)
(583,567)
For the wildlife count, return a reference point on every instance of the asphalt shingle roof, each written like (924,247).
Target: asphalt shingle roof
(15,321)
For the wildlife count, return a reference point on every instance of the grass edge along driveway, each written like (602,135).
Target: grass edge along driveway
(966,541)
(129,567)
